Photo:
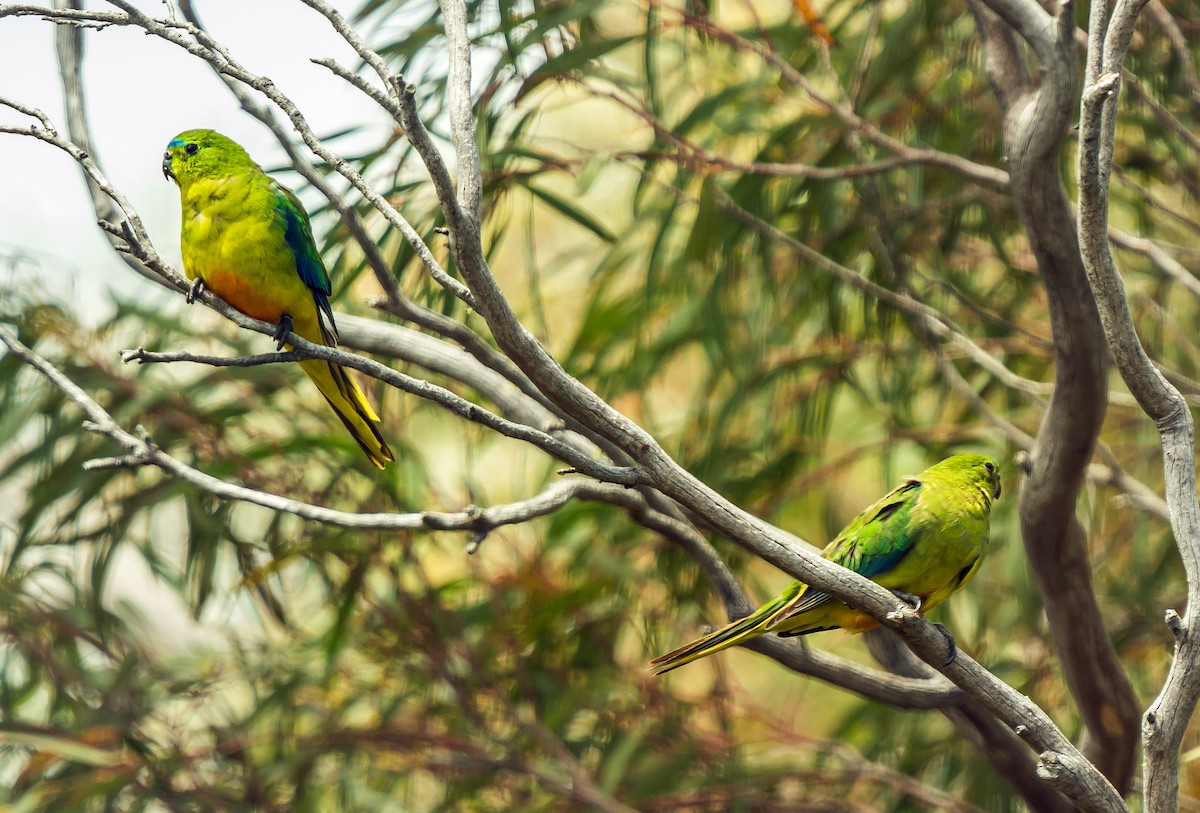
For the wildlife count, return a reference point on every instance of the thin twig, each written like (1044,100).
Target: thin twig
(142,451)
(302,349)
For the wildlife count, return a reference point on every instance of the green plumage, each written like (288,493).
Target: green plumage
(926,539)
(248,239)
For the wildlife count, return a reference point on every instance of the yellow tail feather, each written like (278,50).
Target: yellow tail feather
(732,634)
(351,405)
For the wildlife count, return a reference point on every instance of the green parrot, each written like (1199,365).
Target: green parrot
(247,238)
(923,541)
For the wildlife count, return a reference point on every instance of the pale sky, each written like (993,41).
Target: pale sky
(142,91)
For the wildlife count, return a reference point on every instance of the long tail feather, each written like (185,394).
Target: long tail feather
(351,405)
(729,635)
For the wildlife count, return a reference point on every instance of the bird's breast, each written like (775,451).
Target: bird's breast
(244,294)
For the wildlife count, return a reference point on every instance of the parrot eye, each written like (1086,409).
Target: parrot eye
(192,148)
(990,467)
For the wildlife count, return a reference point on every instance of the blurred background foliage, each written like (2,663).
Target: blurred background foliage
(165,651)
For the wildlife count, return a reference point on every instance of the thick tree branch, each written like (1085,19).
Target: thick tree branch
(1089,788)
(1036,123)
(1167,718)
(581,404)
(999,745)
(437,356)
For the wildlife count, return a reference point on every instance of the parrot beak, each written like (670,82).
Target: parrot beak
(166,167)
(996,494)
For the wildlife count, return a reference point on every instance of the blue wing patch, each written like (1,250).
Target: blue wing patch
(298,234)
(872,565)
(869,566)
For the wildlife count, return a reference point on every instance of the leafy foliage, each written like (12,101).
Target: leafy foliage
(647,168)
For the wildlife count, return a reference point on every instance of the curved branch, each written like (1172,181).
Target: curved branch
(1000,746)
(592,412)
(1035,126)
(1089,787)
(68,42)
(1167,717)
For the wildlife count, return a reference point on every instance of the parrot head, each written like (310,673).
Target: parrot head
(196,154)
(975,470)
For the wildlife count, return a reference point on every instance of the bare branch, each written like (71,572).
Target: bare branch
(1035,126)
(379,96)
(347,32)
(142,451)
(462,119)
(68,42)
(1167,718)
(143,356)
(140,248)
(435,355)
(1095,793)
(414,386)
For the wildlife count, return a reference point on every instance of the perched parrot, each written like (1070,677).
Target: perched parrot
(247,239)
(923,541)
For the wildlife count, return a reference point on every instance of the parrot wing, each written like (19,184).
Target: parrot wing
(873,543)
(299,236)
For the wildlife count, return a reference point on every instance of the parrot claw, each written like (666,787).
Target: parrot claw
(950,645)
(909,599)
(282,330)
(195,291)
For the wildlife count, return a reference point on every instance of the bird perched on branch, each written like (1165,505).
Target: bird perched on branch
(923,541)
(247,239)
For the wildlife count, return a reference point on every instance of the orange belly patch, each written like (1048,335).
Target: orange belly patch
(241,294)
(860,622)
(840,615)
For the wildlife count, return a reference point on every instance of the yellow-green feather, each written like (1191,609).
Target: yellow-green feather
(248,239)
(925,538)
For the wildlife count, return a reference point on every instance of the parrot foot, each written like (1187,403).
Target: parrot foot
(909,599)
(282,330)
(950,645)
(195,291)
